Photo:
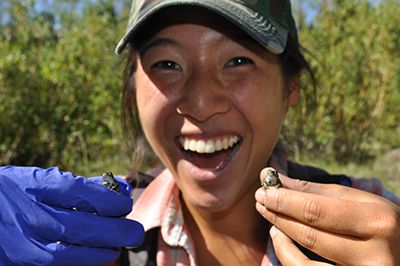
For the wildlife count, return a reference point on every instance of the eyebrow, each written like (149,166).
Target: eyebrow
(241,38)
(158,42)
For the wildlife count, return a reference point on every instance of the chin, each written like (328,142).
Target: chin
(208,202)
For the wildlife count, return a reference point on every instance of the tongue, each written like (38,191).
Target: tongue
(210,161)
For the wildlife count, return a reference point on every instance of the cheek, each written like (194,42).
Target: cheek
(263,107)
(151,104)
(145,100)
(261,101)
(154,102)
(156,110)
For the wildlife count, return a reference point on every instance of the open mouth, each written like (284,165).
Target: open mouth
(210,154)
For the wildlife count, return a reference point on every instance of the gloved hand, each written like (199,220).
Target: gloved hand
(49,217)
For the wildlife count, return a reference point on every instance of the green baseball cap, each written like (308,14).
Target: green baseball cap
(269,22)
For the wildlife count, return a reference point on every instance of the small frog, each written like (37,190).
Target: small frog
(110,182)
(271,180)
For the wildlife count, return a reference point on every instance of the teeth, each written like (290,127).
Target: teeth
(225,143)
(192,145)
(201,147)
(218,145)
(208,146)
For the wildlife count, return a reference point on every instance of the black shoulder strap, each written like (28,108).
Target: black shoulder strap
(153,246)
(313,174)
(145,255)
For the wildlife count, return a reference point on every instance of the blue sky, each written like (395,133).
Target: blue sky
(46,4)
(311,12)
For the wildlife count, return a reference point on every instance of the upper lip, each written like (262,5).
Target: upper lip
(203,135)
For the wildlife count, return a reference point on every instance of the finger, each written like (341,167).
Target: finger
(83,228)
(331,190)
(335,247)
(357,219)
(66,254)
(65,190)
(287,252)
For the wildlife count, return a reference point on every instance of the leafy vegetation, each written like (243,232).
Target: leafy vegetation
(354,49)
(60,83)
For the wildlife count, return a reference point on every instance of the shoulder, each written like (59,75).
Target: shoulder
(139,181)
(301,171)
(315,174)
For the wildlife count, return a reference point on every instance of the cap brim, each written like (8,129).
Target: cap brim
(264,30)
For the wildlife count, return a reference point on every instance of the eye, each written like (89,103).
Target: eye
(166,65)
(239,61)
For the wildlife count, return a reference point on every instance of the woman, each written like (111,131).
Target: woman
(209,85)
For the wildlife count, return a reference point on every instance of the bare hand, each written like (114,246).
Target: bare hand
(345,225)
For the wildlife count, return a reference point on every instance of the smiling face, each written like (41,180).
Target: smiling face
(211,102)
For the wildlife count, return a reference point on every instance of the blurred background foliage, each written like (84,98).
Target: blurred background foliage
(354,48)
(60,83)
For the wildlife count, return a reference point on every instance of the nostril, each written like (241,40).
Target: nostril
(201,114)
(204,108)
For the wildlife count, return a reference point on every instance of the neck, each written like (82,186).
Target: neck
(238,230)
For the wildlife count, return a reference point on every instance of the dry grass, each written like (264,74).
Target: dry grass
(386,168)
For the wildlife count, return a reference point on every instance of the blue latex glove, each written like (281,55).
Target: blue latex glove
(49,217)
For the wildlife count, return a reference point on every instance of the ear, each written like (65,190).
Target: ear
(294,91)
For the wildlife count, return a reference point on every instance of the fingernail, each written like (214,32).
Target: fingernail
(273,231)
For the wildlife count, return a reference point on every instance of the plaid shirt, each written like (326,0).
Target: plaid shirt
(159,206)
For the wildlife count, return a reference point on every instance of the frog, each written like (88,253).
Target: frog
(271,179)
(110,182)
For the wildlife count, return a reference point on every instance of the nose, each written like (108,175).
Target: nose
(203,97)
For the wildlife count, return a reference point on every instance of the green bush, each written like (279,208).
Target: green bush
(354,49)
(60,85)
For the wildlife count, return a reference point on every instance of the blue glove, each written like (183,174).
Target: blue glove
(49,217)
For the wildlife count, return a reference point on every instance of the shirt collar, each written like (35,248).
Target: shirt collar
(149,208)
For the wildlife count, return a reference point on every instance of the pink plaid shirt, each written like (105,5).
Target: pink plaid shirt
(159,206)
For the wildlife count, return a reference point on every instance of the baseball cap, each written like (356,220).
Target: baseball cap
(269,22)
